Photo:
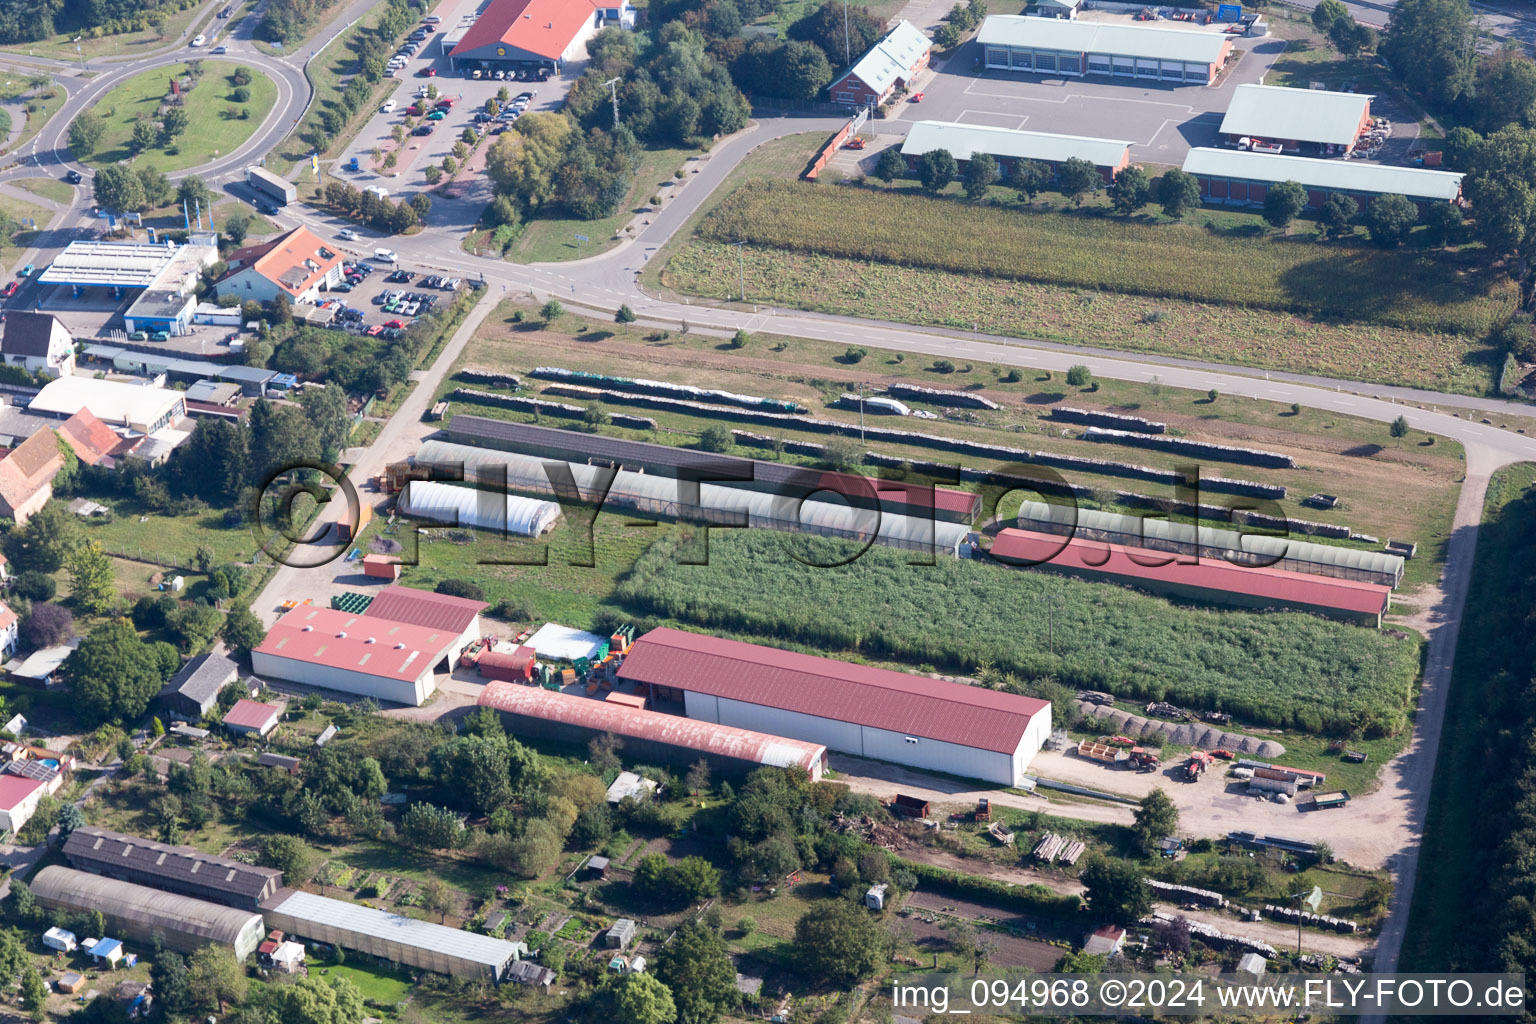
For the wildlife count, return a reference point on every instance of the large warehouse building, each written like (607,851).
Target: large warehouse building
(647,734)
(1313,122)
(390,937)
(177,869)
(1213,581)
(1159,534)
(1235,178)
(362,654)
(149,916)
(855,709)
(1008,146)
(141,409)
(1054,46)
(529,35)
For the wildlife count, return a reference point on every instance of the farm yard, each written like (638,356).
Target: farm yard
(1239,296)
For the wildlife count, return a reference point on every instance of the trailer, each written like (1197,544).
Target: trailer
(983,809)
(1104,752)
(346,533)
(911,806)
(1001,832)
(1323,801)
(279,190)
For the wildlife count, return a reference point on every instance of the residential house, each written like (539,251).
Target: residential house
(890,64)
(92,441)
(26,475)
(19,798)
(38,343)
(252,718)
(10,625)
(297,265)
(194,690)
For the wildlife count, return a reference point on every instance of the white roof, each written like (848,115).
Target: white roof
(113,402)
(891,58)
(44,663)
(470,506)
(123,264)
(480,949)
(562,643)
(1102,37)
(963,140)
(1252,963)
(1336,175)
(629,784)
(1305,115)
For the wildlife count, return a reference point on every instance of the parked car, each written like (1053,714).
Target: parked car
(415,110)
(395,324)
(345,286)
(139,336)
(422,129)
(438,115)
(427,73)
(427,28)
(347,234)
(431,19)
(388,107)
(524,95)
(11,288)
(451,286)
(917,97)
(26,271)
(399,277)
(374,331)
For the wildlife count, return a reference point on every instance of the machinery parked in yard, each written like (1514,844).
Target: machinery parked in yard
(1197,765)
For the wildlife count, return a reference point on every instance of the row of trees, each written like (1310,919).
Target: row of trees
(549,163)
(374,210)
(25,22)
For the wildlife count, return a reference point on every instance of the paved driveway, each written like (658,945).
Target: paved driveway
(1162,121)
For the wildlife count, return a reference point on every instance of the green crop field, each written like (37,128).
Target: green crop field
(1278,668)
(214,128)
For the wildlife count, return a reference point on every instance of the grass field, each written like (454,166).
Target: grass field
(386,988)
(1401,288)
(551,239)
(20,210)
(212,131)
(49,188)
(1486,699)
(1279,669)
(123,44)
(38,108)
(170,539)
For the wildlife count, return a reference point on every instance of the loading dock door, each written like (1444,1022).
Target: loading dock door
(1125,67)
(1146,68)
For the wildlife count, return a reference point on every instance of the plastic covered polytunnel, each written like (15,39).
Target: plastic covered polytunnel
(454,505)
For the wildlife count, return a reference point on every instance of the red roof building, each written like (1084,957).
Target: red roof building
(855,709)
(1209,580)
(19,797)
(528,34)
(646,734)
(296,264)
(26,475)
(249,717)
(92,440)
(371,655)
(425,608)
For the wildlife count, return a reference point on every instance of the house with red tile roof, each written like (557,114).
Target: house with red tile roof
(19,798)
(252,718)
(91,440)
(9,629)
(523,35)
(297,264)
(26,475)
(877,713)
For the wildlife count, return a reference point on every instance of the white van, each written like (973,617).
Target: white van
(386,256)
(388,107)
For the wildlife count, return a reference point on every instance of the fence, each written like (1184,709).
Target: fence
(828,151)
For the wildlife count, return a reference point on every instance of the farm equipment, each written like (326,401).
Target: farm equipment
(1001,832)
(1323,801)
(1225,755)
(1162,709)
(1144,760)
(1355,756)
(1218,717)
(911,806)
(983,809)
(1199,762)
(1097,697)
(1118,741)
(1101,752)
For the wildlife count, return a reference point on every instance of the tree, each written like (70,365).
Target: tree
(890,165)
(697,779)
(1399,429)
(34,586)
(697,967)
(970,944)
(936,169)
(842,35)
(1079,376)
(692,879)
(551,311)
(473,772)
(1076,178)
(1178,192)
(642,999)
(1390,218)
(114,674)
(980,175)
(93,587)
(1282,202)
(802,70)
(1116,891)
(118,189)
(47,625)
(625,315)
(839,942)
(316,1000)
(236,226)
(1339,212)
(1442,223)
(214,978)
(85,133)
(715,438)
(170,979)
(243,631)
(1431,44)
(437,898)
(1327,12)
(1506,90)
(1028,178)
(289,854)
(1501,169)
(20,905)
(1130,191)
(174,123)
(431,827)
(46,540)
(1155,819)
(70,818)
(143,136)
(34,994)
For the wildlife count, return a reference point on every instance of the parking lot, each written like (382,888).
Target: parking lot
(468,96)
(1161,121)
(380,298)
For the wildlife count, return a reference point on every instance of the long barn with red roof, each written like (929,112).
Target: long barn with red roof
(854,709)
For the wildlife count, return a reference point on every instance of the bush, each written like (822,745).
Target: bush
(1079,376)
(35,586)
(716,439)
(855,354)
(943,366)
(461,588)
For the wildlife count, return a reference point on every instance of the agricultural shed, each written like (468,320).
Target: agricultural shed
(451,505)
(648,734)
(1076,48)
(1208,580)
(251,717)
(1314,121)
(1008,146)
(777,478)
(403,940)
(177,869)
(669,498)
(148,915)
(1237,178)
(194,689)
(871,712)
(1211,542)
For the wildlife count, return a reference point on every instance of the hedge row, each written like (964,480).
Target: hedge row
(1025,899)
(552,408)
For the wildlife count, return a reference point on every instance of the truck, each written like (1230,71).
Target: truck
(279,190)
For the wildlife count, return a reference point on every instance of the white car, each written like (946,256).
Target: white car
(347,234)
(199,41)
(388,108)
(386,256)
(431,19)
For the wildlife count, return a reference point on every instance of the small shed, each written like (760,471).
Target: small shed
(382,567)
(597,866)
(106,951)
(874,899)
(526,972)
(628,700)
(1252,964)
(621,933)
(1271,780)
(629,784)
(514,666)
(1104,940)
(326,735)
(59,939)
(70,983)
(637,964)
(252,717)
(283,761)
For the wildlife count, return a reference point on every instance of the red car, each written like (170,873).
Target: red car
(11,288)
(445,103)
(917,97)
(413,110)
(374,331)
(395,323)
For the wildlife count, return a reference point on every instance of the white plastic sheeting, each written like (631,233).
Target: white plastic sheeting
(469,506)
(667,497)
(562,643)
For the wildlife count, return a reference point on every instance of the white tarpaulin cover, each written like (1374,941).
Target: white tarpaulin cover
(562,643)
(468,506)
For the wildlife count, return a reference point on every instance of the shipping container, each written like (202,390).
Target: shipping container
(515,666)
